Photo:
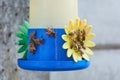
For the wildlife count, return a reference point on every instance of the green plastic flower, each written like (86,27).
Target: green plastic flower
(78,40)
(23,36)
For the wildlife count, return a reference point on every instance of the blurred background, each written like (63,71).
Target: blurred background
(104,15)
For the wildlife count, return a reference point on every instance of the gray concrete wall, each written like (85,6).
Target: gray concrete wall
(104,15)
(12,13)
(105,65)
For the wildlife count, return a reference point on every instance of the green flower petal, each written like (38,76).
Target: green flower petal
(25,39)
(20,35)
(25,55)
(26,24)
(23,30)
(22,49)
(20,42)
(23,35)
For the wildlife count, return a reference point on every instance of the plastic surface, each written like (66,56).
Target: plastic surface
(50,56)
(52,65)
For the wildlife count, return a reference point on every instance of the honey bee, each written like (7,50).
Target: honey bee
(32,47)
(34,42)
(32,36)
(82,44)
(50,32)
(39,41)
(83,35)
(71,34)
(83,47)
(78,33)
(74,45)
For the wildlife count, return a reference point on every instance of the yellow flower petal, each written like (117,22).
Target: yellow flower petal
(67,30)
(75,57)
(79,56)
(77,23)
(85,56)
(89,44)
(66,45)
(69,52)
(83,24)
(89,36)
(89,51)
(65,37)
(88,28)
(73,28)
(71,24)
(82,51)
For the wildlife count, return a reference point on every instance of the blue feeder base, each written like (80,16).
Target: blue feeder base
(50,56)
(52,65)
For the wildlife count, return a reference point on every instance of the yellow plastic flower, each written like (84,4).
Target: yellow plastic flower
(77,39)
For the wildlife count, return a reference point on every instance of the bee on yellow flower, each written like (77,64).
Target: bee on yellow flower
(77,39)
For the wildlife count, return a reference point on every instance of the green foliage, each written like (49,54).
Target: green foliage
(26,24)
(23,30)
(23,35)
(20,42)
(22,49)
(25,55)
(20,35)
